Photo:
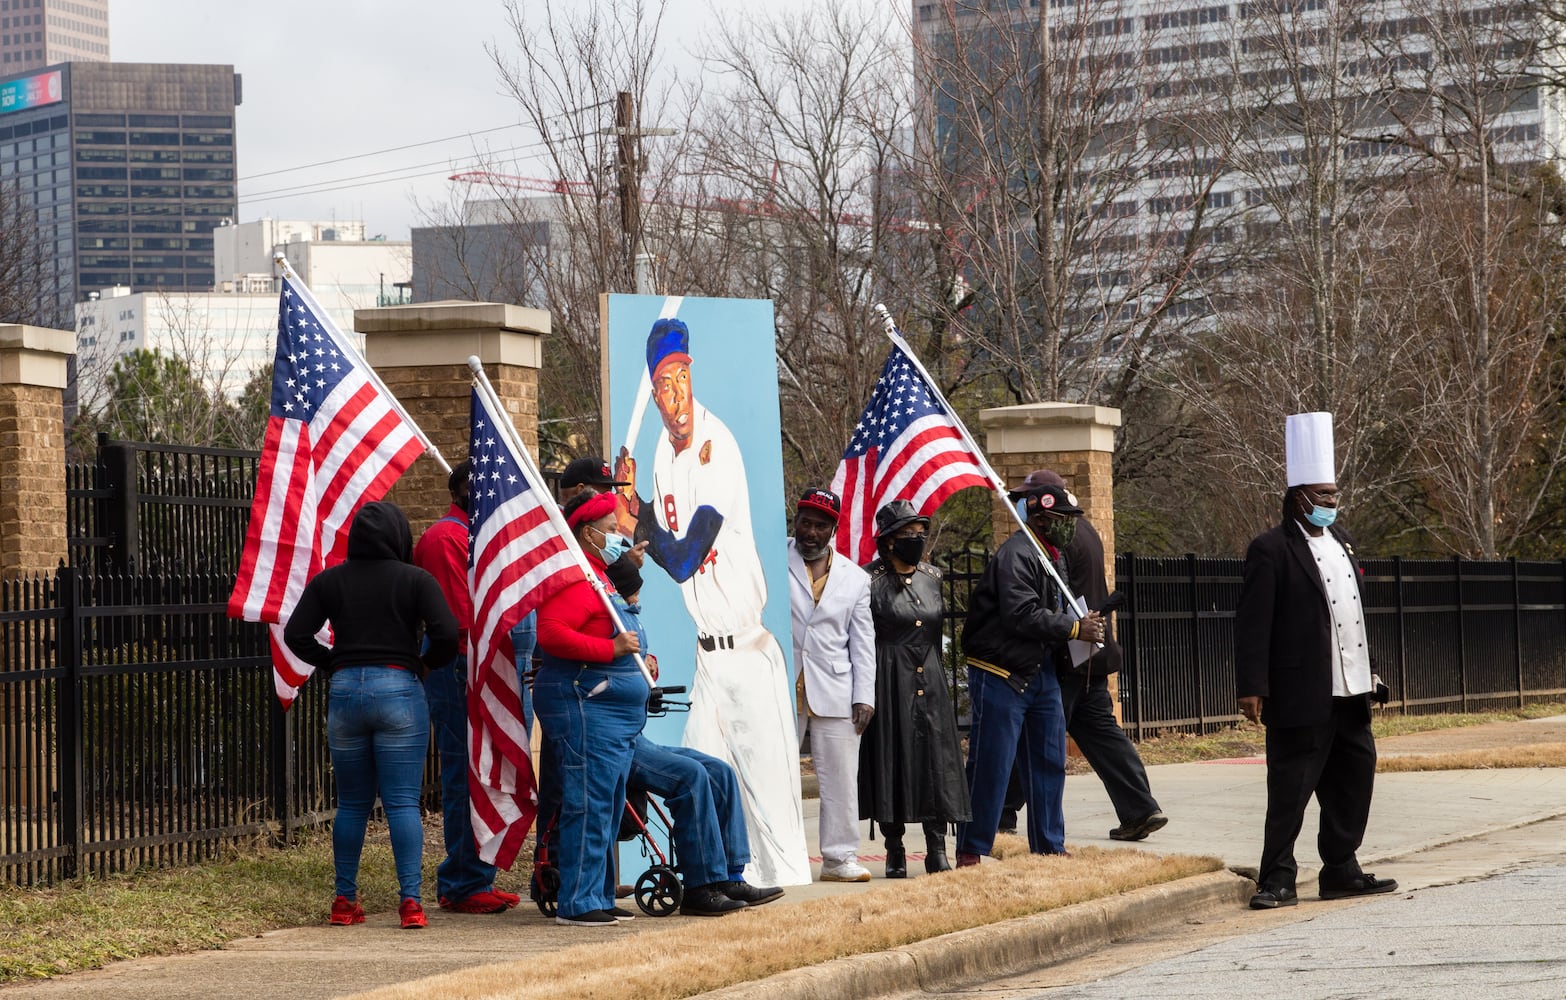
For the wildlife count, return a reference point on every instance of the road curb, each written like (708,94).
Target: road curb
(1007,948)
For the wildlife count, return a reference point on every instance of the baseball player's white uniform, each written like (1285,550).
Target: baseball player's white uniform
(741,711)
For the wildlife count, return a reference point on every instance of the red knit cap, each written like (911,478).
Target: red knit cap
(592,510)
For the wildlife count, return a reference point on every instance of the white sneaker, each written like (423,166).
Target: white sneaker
(844,871)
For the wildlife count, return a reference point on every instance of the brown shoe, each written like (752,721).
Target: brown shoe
(967,860)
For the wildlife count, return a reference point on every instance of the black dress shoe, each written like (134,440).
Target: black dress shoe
(1270,897)
(751,895)
(709,901)
(896,860)
(1151,823)
(1363,884)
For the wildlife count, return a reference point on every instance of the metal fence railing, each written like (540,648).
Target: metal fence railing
(1448,635)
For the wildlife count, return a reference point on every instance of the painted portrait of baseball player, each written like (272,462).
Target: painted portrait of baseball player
(694,511)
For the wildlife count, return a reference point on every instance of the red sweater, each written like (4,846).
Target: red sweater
(575,625)
(442,552)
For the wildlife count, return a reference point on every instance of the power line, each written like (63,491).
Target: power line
(378,173)
(381,152)
(431,142)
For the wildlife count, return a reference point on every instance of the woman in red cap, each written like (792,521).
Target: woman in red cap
(592,702)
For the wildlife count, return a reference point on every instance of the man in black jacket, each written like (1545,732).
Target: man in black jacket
(1014,640)
(1302,665)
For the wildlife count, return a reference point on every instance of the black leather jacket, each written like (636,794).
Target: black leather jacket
(1015,617)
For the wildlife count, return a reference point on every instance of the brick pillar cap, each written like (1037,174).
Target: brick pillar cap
(451,315)
(15,336)
(1049,427)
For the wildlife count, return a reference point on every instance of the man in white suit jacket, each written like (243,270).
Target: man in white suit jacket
(834,663)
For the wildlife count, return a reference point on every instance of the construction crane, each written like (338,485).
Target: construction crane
(538,184)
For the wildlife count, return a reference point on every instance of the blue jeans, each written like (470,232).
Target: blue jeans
(463,873)
(1000,714)
(702,794)
(591,716)
(378,730)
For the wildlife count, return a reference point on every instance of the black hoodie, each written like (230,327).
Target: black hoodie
(375,600)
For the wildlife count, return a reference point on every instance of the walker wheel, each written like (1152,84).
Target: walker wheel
(658,891)
(548,895)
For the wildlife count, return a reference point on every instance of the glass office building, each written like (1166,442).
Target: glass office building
(128,167)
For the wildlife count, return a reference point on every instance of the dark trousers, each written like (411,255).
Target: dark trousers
(1090,720)
(1007,723)
(1336,762)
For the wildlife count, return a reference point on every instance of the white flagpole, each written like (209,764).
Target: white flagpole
(303,290)
(556,519)
(1078,606)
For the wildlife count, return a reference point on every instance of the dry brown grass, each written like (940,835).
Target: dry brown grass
(1535,755)
(682,961)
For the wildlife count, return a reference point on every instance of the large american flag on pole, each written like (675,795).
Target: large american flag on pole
(334,442)
(517,559)
(906,446)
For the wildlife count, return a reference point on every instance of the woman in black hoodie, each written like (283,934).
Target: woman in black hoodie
(377,721)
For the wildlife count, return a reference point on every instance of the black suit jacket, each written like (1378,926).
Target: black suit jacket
(1282,629)
(1085,576)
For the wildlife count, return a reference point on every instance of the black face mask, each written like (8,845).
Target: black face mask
(909,549)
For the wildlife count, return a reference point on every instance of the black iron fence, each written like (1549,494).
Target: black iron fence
(141,728)
(1450,635)
(138,723)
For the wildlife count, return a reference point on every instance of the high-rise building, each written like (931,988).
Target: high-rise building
(39,33)
(128,168)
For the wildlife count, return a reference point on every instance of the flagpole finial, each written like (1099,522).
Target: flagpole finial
(475,365)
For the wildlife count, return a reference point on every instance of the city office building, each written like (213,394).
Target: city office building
(229,333)
(39,33)
(128,166)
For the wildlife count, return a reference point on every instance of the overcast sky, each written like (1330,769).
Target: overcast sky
(325,79)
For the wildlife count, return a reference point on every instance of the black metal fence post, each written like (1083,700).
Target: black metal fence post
(1517,653)
(68,722)
(1131,650)
(1402,633)
(284,787)
(1462,634)
(121,509)
(1196,644)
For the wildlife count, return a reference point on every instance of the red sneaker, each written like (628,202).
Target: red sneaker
(346,911)
(412,915)
(481,902)
(509,898)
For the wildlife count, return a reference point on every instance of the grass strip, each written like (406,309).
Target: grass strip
(250,890)
(1250,740)
(1533,755)
(680,962)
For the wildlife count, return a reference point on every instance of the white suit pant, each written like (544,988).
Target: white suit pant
(742,714)
(834,747)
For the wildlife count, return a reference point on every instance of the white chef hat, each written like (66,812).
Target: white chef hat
(1307,439)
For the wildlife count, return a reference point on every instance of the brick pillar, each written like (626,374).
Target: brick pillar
(1074,440)
(421,352)
(33,364)
(33,369)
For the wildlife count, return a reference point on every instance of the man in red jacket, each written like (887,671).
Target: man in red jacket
(466,882)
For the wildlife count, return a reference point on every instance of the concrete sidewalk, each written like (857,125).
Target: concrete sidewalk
(1215,808)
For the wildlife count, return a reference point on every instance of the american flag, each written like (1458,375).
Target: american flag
(334,442)
(516,560)
(906,446)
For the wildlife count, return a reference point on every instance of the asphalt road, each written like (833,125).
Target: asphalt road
(1499,934)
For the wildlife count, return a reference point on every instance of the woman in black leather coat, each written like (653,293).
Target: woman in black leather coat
(910,766)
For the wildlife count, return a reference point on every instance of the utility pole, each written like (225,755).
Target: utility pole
(628,134)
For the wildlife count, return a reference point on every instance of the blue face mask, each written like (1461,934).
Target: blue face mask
(1321,517)
(615,546)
